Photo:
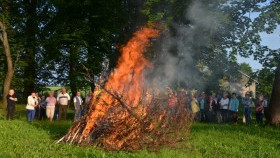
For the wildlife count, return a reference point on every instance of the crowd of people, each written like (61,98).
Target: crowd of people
(55,106)
(207,108)
(221,108)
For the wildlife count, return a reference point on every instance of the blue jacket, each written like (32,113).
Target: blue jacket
(234,104)
(202,104)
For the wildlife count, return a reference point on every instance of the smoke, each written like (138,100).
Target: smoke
(179,50)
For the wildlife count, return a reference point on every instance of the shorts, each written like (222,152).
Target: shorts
(50,111)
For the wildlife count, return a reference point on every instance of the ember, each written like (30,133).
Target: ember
(124,115)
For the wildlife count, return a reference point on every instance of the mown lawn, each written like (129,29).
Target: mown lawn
(21,139)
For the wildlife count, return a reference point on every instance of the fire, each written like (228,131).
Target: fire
(126,115)
(126,80)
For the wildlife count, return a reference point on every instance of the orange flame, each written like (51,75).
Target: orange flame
(127,79)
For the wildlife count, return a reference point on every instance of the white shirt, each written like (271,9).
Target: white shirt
(63,98)
(224,103)
(31,102)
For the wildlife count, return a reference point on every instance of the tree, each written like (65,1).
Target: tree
(275,99)
(30,31)
(265,77)
(248,41)
(10,66)
(6,46)
(73,48)
(246,68)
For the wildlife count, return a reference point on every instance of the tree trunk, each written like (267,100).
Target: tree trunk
(10,68)
(30,47)
(275,99)
(73,66)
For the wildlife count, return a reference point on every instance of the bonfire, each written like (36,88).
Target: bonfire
(126,115)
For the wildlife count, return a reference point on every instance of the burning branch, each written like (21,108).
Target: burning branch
(118,98)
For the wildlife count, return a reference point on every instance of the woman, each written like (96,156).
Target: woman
(195,107)
(233,108)
(51,101)
(32,102)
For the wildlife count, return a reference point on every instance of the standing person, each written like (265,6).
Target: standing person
(43,108)
(50,109)
(195,107)
(218,110)
(202,104)
(247,103)
(233,107)
(260,109)
(78,104)
(266,111)
(56,111)
(32,102)
(172,100)
(63,100)
(224,102)
(87,102)
(38,107)
(212,108)
(172,103)
(11,104)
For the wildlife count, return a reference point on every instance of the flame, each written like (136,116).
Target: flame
(127,79)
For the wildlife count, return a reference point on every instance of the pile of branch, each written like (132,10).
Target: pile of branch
(123,115)
(150,124)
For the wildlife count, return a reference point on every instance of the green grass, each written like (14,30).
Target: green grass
(21,139)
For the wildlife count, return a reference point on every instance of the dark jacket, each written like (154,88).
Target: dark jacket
(214,106)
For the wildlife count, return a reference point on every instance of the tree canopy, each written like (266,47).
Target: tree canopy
(68,42)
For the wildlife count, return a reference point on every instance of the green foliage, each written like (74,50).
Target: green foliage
(266,79)
(164,12)
(246,68)
(66,42)
(57,40)
(247,30)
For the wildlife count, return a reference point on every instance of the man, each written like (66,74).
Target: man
(224,102)
(63,100)
(43,105)
(11,104)
(56,111)
(218,110)
(32,103)
(260,109)
(212,108)
(87,102)
(78,102)
(233,107)
(247,103)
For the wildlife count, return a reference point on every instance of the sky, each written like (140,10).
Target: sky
(270,40)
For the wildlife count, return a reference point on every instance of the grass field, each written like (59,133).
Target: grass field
(21,139)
